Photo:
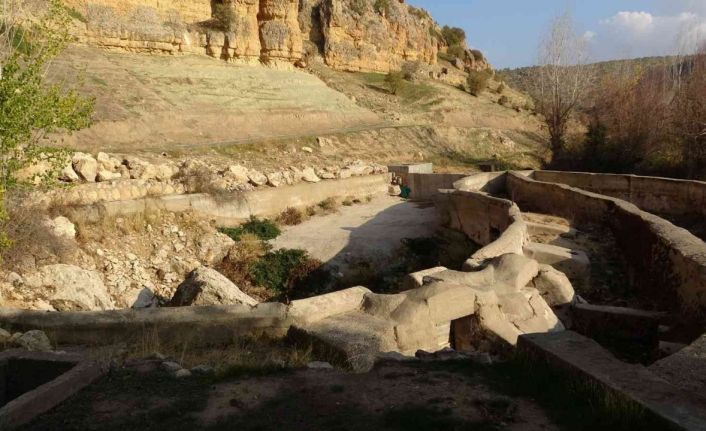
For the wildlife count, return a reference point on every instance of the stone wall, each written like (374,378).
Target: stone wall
(666,262)
(653,194)
(233,209)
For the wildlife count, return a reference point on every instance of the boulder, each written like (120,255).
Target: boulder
(106,162)
(310,176)
(238,173)
(69,175)
(275,179)
(394,190)
(257,178)
(85,166)
(206,286)
(36,341)
(105,175)
(62,227)
(70,288)
(308,150)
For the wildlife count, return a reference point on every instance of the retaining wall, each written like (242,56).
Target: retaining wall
(425,186)
(235,208)
(658,195)
(665,261)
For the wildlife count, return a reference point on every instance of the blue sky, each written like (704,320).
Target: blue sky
(508,31)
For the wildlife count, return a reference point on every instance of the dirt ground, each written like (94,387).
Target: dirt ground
(369,231)
(394,396)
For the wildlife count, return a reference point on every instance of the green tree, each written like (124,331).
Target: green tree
(29,107)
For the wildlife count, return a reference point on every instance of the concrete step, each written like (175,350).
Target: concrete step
(582,358)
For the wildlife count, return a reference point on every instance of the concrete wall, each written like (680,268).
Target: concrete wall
(425,186)
(666,262)
(658,195)
(492,222)
(238,207)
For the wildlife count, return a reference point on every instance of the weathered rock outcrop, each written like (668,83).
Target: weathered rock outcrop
(69,288)
(376,36)
(355,35)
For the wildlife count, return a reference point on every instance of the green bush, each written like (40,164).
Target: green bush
(477,82)
(274,269)
(394,81)
(453,35)
(263,229)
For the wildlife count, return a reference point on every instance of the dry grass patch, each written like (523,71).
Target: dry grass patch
(329,206)
(292,217)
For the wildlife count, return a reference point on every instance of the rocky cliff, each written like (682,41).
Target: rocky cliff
(356,35)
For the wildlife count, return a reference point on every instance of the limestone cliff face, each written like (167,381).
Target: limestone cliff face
(376,36)
(279,30)
(355,35)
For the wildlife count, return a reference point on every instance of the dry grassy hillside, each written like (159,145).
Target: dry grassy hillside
(195,105)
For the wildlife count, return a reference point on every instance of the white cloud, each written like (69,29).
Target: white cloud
(640,33)
(636,22)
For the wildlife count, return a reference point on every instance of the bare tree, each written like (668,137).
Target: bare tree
(561,79)
(689,113)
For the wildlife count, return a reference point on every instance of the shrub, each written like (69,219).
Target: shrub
(348,202)
(453,35)
(102,17)
(456,51)
(311,211)
(504,101)
(273,270)
(410,69)
(263,229)
(477,82)
(238,264)
(394,81)
(477,55)
(291,217)
(329,205)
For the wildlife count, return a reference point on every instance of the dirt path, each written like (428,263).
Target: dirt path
(369,231)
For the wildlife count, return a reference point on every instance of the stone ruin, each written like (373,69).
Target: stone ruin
(520,291)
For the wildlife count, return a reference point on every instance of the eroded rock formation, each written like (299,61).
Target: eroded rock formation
(354,35)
